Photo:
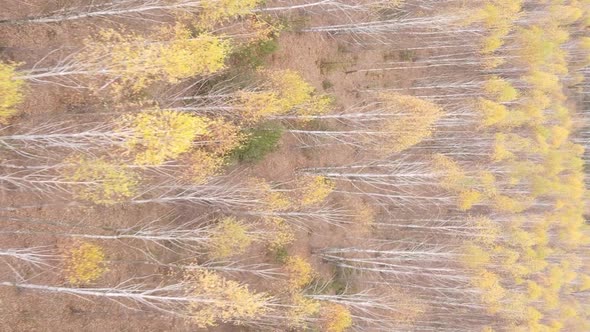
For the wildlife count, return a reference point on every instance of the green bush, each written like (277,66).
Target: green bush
(260,141)
(280,255)
(253,55)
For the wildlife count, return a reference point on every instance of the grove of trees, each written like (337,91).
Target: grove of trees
(297,165)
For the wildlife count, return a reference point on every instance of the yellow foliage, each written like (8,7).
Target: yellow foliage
(287,91)
(569,311)
(219,299)
(536,48)
(500,90)
(533,315)
(493,113)
(452,175)
(315,190)
(534,290)
(277,201)
(509,204)
(230,238)
(501,152)
(416,121)
(488,230)
(99,181)
(213,12)
(336,317)
(11,93)
(488,183)
(491,290)
(222,137)
(158,136)
(203,165)
(291,88)
(170,55)
(317,105)
(283,236)
(85,263)
(506,256)
(258,105)
(302,310)
(491,44)
(544,82)
(565,14)
(559,135)
(468,198)
(300,272)
(273,200)
(584,283)
(474,256)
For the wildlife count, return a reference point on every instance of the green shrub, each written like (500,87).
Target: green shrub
(253,55)
(260,141)
(280,255)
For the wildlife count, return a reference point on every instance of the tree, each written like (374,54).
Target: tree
(300,272)
(220,300)
(230,238)
(336,318)
(11,93)
(171,55)
(161,135)
(213,12)
(130,62)
(314,190)
(99,181)
(394,123)
(203,297)
(283,92)
(303,311)
(40,257)
(84,263)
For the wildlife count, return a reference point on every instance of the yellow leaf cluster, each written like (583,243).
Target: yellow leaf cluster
(291,88)
(222,136)
(213,12)
(489,230)
(489,284)
(258,105)
(337,318)
(415,122)
(85,263)
(217,299)
(500,90)
(99,181)
(467,199)
(493,113)
(285,91)
(170,55)
(161,135)
(300,272)
(302,310)
(315,190)
(203,165)
(273,200)
(509,204)
(452,175)
(11,93)
(283,233)
(475,256)
(230,238)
